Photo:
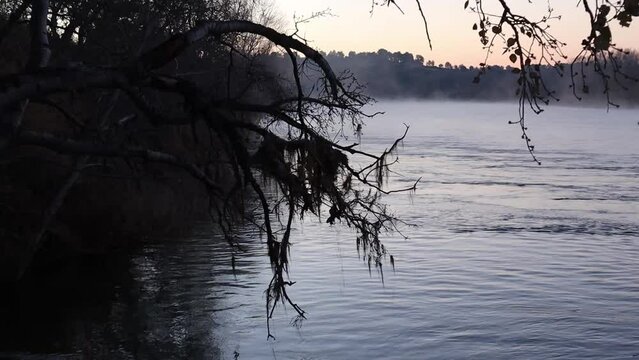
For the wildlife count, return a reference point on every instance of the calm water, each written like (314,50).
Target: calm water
(508,260)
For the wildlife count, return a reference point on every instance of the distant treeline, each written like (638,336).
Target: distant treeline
(393,75)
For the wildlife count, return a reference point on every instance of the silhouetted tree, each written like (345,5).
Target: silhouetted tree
(133,89)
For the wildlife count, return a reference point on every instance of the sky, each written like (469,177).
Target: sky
(352,27)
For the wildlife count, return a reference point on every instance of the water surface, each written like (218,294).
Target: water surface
(507,259)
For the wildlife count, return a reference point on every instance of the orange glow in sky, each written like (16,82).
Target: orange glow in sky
(352,27)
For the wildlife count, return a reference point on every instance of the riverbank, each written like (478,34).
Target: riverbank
(100,212)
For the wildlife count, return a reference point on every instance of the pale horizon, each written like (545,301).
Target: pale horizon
(352,27)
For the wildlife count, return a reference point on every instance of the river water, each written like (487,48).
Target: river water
(508,260)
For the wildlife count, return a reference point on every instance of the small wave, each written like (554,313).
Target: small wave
(512,183)
(610,198)
(575,228)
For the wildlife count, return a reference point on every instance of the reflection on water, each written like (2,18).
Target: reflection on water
(509,260)
(159,302)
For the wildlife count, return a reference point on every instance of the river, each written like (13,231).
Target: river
(508,260)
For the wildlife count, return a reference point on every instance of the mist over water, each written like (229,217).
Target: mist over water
(507,260)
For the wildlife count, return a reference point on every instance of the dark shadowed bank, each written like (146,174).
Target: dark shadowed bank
(111,146)
(58,205)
